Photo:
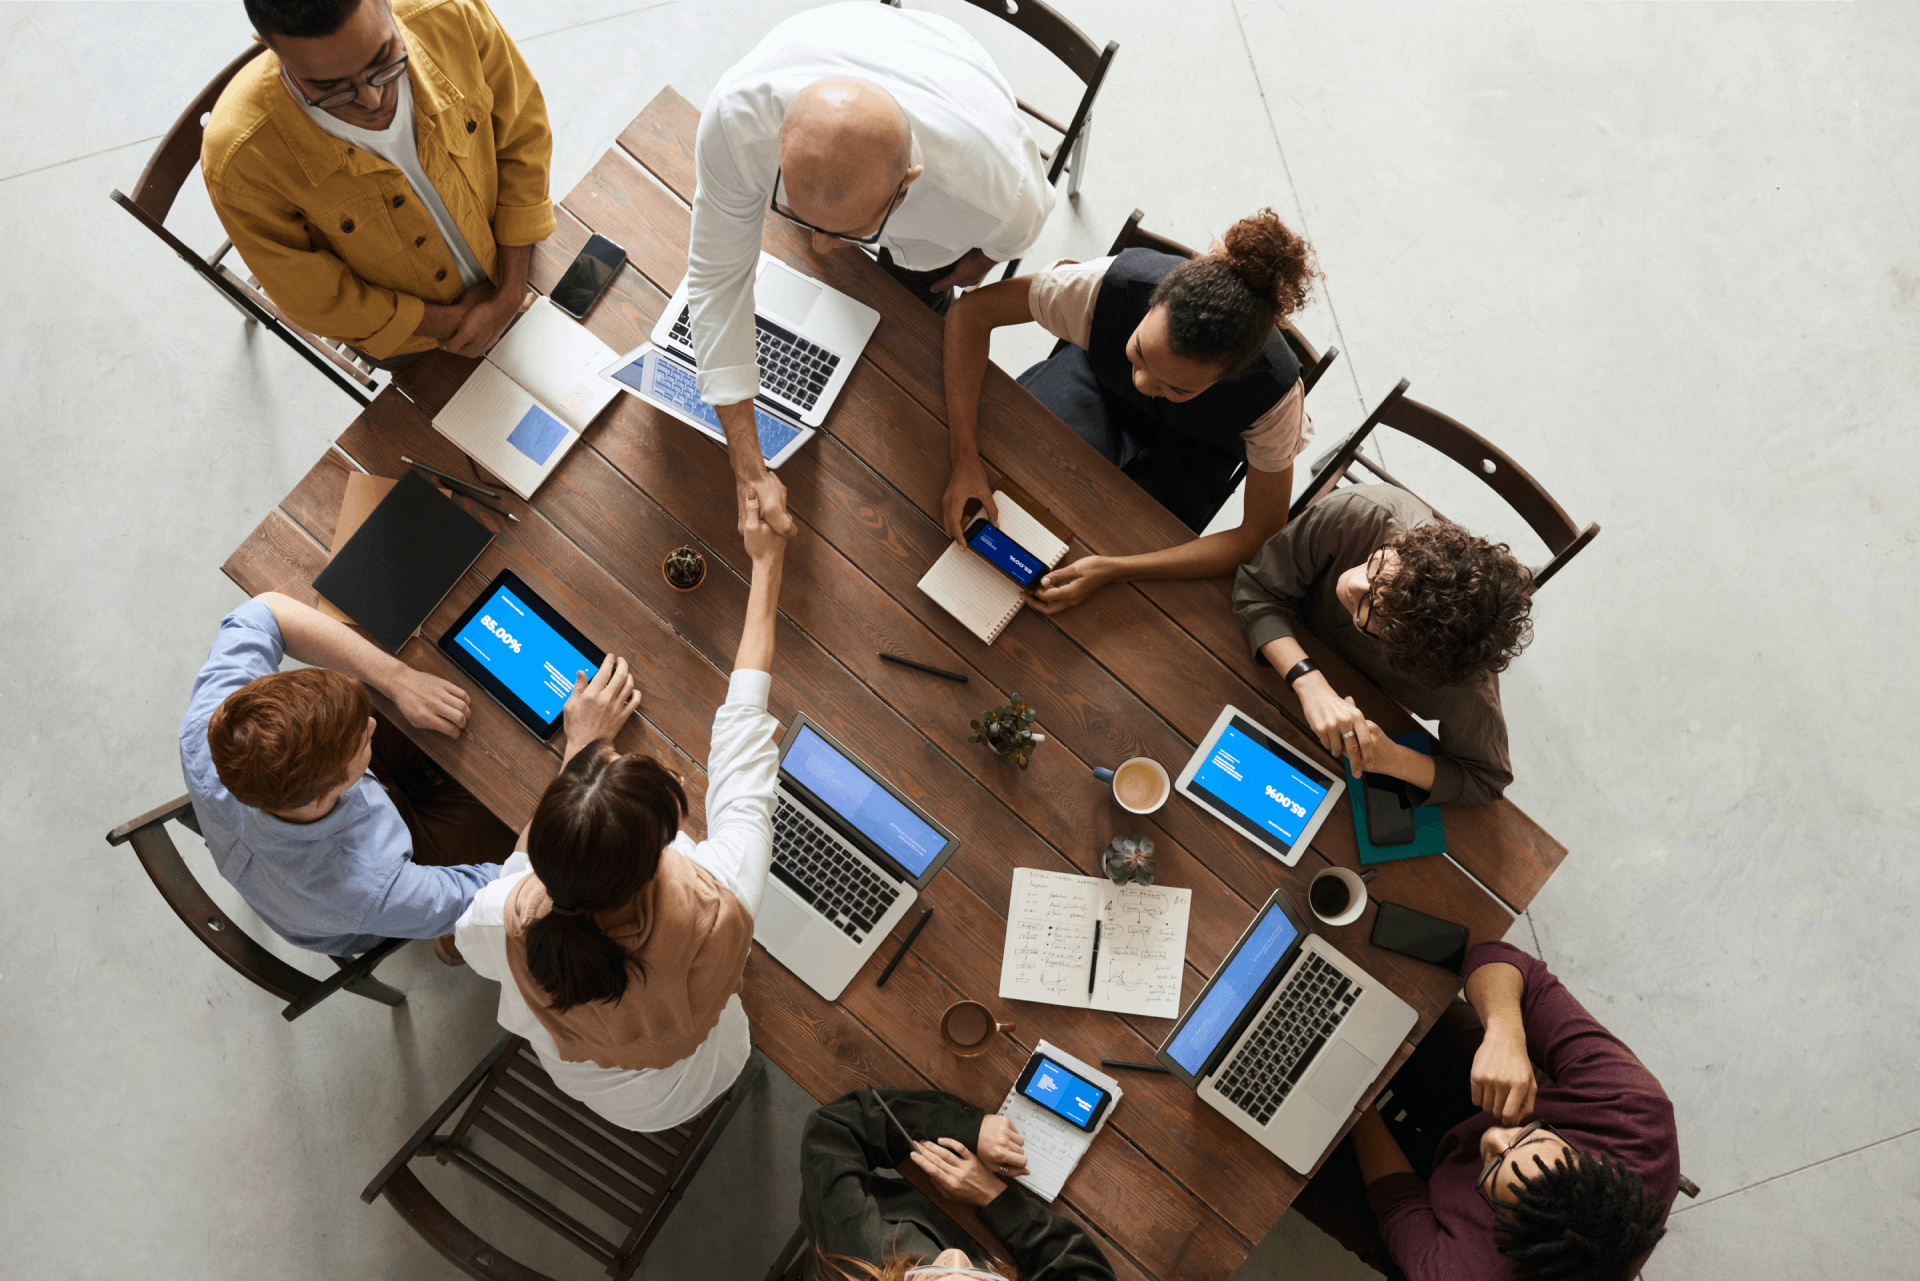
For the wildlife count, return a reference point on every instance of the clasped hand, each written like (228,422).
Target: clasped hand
(1342,728)
(487,315)
(971,1179)
(1502,1075)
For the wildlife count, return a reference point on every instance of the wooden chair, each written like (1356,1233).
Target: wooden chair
(152,200)
(1471,450)
(636,1179)
(175,881)
(1044,24)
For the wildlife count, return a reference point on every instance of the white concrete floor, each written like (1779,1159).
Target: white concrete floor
(1666,255)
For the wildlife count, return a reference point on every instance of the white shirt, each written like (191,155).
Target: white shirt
(742,772)
(396,145)
(984,187)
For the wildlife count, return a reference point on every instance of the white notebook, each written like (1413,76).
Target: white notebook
(1054,1148)
(530,399)
(973,591)
(1050,952)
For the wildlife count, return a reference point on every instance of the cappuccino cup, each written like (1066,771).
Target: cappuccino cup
(968,1028)
(1140,784)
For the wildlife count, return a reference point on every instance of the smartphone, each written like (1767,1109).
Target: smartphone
(1424,938)
(1074,1099)
(588,276)
(1389,810)
(1005,555)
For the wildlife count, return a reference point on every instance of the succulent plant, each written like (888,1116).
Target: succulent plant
(685,568)
(1008,730)
(1129,858)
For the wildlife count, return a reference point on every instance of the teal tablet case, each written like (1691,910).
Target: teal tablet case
(1429,837)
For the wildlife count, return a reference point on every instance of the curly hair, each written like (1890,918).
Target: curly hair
(1222,305)
(1455,608)
(1581,1220)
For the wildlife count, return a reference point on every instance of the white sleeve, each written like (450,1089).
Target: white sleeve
(480,933)
(1029,216)
(742,772)
(724,250)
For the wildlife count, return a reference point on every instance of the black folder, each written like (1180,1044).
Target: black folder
(399,564)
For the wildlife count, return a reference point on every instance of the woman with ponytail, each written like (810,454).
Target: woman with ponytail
(618,940)
(1173,368)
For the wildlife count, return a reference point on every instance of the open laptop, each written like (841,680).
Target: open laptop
(850,855)
(810,334)
(1286,1036)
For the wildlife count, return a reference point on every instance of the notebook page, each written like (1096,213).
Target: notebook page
(973,591)
(1049,948)
(558,361)
(1028,532)
(1053,1147)
(1143,945)
(504,429)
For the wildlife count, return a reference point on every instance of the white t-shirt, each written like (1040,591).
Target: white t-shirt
(397,146)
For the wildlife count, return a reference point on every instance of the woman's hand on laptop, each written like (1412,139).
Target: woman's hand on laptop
(957,1172)
(1002,1150)
(600,704)
(428,702)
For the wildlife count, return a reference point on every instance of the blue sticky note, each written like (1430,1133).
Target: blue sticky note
(537,435)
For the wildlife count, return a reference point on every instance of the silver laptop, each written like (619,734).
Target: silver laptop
(850,855)
(810,334)
(1286,1036)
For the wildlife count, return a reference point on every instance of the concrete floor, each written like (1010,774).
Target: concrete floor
(1665,255)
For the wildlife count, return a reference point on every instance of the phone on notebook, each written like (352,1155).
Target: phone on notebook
(588,276)
(1010,558)
(1390,819)
(1424,938)
(1069,1096)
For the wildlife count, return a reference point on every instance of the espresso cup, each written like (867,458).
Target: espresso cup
(968,1028)
(1140,784)
(1337,896)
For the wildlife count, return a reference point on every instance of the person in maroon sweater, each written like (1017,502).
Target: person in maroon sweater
(1549,1149)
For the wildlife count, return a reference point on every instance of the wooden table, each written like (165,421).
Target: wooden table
(1170,1188)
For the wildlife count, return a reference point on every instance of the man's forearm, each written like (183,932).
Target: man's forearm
(1376,1150)
(310,636)
(514,263)
(743,440)
(1495,991)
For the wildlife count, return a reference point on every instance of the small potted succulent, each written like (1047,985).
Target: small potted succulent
(1129,858)
(684,569)
(1009,731)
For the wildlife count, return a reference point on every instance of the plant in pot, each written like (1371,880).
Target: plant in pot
(1008,730)
(684,569)
(1129,858)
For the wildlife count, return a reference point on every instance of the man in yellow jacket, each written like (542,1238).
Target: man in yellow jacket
(382,169)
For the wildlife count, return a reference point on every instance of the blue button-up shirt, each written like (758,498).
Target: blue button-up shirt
(339,884)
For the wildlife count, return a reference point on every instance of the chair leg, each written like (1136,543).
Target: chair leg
(783,1262)
(1077,161)
(356,976)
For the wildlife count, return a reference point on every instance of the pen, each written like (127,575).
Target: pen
(480,490)
(912,934)
(1094,968)
(937,671)
(1136,1067)
(473,498)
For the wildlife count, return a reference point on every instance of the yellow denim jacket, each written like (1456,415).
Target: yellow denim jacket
(333,233)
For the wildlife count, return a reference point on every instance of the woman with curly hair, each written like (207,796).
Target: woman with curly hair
(1430,612)
(1174,369)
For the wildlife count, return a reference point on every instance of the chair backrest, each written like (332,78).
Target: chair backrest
(1472,451)
(179,149)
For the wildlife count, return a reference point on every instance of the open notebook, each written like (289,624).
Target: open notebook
(1053,1146)
(1133,965)
(530,399)
(973,591)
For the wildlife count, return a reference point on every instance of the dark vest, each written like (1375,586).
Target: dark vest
(1217,415)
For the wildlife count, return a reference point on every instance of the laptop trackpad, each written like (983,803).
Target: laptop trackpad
(785,295)
(1342,1073)
(781,921)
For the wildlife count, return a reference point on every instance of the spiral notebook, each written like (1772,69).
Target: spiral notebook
(973,591)
(1054,1147)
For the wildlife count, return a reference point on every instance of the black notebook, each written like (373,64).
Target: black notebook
(408,554)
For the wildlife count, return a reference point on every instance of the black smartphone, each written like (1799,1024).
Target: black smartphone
(1069,1096)
(1423,937)
(588,276)
(1005,555)
(1389,810)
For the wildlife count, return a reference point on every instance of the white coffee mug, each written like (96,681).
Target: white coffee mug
(1356,895)
(1131,768)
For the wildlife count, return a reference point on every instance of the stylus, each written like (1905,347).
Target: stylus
(1135,1067)
(912,934)
(922,667)
(481,490)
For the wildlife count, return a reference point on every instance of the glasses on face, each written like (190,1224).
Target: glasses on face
(773,203)
(1363,612)
(378,78)
(1527,1135)
(954,1272)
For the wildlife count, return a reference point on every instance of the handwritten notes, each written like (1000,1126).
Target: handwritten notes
(1050,943)
(1054,1147)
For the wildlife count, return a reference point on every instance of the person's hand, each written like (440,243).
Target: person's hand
(764,546)
(968,272)
(429,702)
(766,487)
(1370,749)
(1002,1150)
(1331,717)
(485,321)
(968,483)
(1067,586)
(1502,1074)
(600,704)
(957,1172)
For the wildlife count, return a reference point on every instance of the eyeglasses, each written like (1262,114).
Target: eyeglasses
(954,1272)
(1527,1135)
(378,78)
(1363,612)
(773,203)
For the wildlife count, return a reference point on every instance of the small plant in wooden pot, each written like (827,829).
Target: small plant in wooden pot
(1008,730)
(1129,858)
(684,569)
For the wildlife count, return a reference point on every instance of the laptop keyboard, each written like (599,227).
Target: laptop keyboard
(792,367)
(1272,1059)
(816,866)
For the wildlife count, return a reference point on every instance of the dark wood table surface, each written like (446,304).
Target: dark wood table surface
(1169,1188)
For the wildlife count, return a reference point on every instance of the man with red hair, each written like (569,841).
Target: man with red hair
(333,857)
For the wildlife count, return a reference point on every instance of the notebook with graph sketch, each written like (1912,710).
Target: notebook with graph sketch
(522,408)
(972,590)
(1051,953)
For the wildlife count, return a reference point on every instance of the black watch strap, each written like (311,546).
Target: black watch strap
(1300,669)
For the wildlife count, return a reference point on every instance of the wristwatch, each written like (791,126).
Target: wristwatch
(1298,670)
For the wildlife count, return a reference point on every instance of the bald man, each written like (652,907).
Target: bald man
(868,126)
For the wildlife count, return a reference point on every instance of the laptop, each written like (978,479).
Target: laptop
(1286,1036)
(850,855)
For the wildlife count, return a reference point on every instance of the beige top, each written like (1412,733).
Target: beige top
(1062,299)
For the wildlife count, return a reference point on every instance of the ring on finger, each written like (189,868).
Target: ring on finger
(1348,734)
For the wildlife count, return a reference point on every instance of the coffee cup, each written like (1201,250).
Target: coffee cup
(1337,896)
(968,1028)
(1140,784)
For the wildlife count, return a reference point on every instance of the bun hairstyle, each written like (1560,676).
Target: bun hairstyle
(594,843)
(1222,305)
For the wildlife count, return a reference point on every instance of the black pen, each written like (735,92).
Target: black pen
(480,490)
(1134,1067)
(922,667)
(912,934)
(472,498)
(1095,967)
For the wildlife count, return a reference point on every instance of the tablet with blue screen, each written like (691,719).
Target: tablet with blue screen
(1246,776)
(522,652)
(661,380)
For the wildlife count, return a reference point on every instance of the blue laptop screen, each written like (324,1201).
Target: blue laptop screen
(667,382)
(875,812)
(1232,990)
(524,653)
(1253,776)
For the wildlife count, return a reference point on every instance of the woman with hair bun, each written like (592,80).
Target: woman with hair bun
(1174,369)
(618,940)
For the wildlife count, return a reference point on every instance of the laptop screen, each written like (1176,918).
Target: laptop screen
(1252,775)
(863,804)
(1232,990)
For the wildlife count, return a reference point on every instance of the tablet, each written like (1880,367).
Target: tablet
(522,652)
(1246,777)
(665,383)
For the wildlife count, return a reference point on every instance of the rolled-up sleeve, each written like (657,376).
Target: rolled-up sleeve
(742,771)
(724,249)
(523,138)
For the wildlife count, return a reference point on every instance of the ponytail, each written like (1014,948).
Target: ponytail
(1223,305)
